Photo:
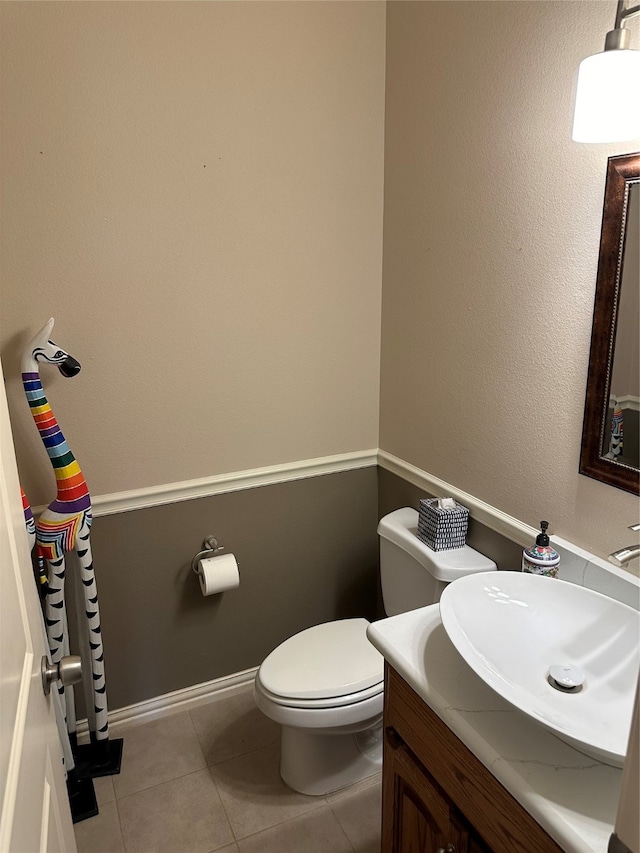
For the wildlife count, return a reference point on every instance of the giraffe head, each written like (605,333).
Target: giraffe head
(41,349)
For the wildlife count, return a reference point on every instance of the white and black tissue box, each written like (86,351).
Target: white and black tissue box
(442,529)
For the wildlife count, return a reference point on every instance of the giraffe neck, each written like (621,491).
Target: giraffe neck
(73,495)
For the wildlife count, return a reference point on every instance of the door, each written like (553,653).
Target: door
(418,817)
(35,813)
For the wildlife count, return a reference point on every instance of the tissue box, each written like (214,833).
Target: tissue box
(442,529)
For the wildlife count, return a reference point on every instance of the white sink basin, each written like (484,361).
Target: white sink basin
(511,628)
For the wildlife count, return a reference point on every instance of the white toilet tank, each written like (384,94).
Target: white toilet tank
(412,574)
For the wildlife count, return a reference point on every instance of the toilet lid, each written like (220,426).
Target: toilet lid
(332,659)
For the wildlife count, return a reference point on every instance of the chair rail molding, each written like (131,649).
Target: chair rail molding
(234,481)
(486,514)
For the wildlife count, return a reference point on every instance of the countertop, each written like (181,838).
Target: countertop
(572,796)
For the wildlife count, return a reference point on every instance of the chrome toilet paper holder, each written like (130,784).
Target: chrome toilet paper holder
(210,548)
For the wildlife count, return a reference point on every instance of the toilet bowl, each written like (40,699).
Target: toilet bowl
(325,688)
(325,685)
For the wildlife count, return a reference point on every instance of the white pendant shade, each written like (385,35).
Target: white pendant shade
(608,97)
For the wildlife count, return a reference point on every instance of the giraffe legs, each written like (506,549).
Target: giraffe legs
(70,705)
(57,635)
(97,695)
(101,756)
(58,639)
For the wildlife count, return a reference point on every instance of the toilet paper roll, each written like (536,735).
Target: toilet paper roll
(217,574)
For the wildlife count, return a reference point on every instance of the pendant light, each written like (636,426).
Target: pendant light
(608,95)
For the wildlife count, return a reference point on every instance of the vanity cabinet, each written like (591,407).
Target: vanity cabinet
(437,796)
(423,817)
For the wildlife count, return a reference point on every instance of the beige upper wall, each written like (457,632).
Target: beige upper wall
(492,224)
(194,191)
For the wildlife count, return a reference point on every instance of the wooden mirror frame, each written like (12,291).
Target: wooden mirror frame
(622,172)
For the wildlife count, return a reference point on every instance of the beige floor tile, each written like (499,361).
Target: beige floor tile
(156,752)
(318,832)
(100,834)
(369,782)
(253,794)
(175,817)
(103,786)
(360,815)
(233,726)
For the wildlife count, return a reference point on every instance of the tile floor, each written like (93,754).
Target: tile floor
(207,780)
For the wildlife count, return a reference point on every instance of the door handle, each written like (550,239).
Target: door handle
(68,671)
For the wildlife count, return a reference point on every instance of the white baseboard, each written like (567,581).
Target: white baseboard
(170,703)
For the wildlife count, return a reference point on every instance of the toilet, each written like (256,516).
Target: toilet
(325,685)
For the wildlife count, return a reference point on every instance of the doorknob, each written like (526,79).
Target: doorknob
(68,671)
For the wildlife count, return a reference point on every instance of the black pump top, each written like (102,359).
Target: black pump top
(542,539)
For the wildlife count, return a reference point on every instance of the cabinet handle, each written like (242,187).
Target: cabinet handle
(450,848)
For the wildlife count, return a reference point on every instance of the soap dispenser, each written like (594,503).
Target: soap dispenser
(541,558)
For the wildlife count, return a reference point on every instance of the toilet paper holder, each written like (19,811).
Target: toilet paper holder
(210,548)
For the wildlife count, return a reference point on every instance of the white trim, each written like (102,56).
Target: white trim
(486,514)
(627,402)
(234,481)
(219,484)
(170,703)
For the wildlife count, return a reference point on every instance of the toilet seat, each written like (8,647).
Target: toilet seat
(328,702)
(328,665)
(341,718)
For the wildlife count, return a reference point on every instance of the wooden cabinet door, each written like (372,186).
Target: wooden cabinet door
(477,845)
(417,816)
(481,812)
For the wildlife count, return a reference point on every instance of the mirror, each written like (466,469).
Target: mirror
(610,443)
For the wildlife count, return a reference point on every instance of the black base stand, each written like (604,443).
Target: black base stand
(82,797)
(97,758)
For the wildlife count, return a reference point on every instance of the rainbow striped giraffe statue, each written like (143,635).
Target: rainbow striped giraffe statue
(64,527)
(30,524)
(29,521)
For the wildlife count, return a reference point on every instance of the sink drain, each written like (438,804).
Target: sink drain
(566,678)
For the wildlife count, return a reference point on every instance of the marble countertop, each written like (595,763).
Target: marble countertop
(572,796)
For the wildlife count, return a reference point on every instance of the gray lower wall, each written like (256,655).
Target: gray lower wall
(394,492)
(308,553)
